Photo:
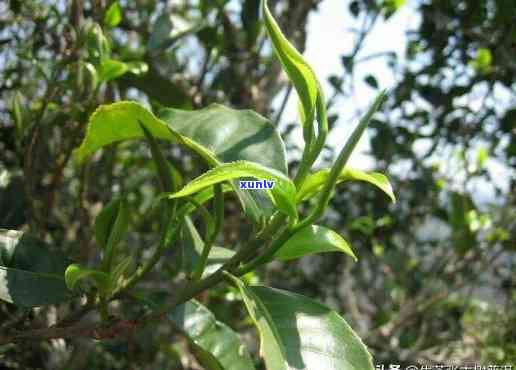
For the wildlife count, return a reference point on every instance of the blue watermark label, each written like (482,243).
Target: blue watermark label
(256,185)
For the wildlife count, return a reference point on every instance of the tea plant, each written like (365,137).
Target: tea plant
(295,331)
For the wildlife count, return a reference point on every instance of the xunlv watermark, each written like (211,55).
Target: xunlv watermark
(257,185)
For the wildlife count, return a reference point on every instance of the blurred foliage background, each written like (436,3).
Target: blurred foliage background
(435,281)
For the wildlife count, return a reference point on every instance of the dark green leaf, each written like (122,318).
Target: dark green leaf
(250,20)
(354,8)
(230,135)
(216,346)
(31,274)
(347,62)
(311,240)
(371,81)
(299,333)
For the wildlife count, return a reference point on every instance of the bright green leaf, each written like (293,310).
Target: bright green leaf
(31,274)
(215,345)
(76,272)
(299,333)
(113,15)
(315,182)
(117,122)
(394,5)
(283,193)
(482,157)
(299,72)
(311,240)
(109,69)
(483,60)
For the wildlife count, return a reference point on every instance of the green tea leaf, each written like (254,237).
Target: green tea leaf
(31,274)
(315,182)
(299,72)
(299,333)
(118,122)
(109,69)
(76,272)
(113,15)
(229,135)
(282,194)
(215,345)
(216,133)
(311,240)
